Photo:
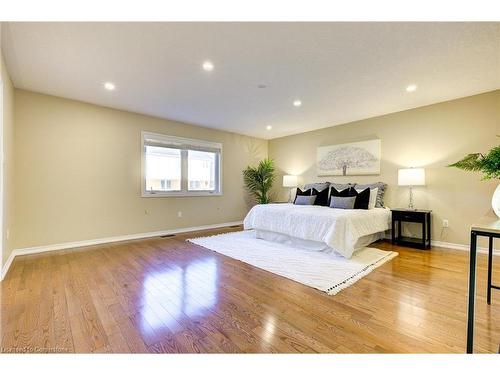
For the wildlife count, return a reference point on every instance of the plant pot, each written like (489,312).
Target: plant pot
(495,201)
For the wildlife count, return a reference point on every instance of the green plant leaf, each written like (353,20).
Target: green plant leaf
(489,164)
(259,180)
(471,162)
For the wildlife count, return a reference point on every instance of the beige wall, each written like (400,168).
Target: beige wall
(78,170)
(431,137)
(8,150)
(78,167)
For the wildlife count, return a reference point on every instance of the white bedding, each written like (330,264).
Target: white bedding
(362,242)
(337,228)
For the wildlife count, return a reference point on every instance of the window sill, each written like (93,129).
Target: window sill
(181,194)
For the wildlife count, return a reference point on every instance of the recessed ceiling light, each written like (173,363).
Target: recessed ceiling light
(110,86)
(297,103)
(411,88)
(269,127)
(208,66)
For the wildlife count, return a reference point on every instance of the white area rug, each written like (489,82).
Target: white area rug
(326,272)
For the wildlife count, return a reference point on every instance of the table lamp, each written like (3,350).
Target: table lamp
(411,177)
(290,182)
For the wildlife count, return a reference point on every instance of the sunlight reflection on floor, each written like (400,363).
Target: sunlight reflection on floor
(180,291)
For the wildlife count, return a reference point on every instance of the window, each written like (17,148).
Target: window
(163,169)
(201,170)
(174,166)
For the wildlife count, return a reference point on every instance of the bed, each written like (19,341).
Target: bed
(318,228)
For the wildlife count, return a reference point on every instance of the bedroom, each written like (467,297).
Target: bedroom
(268,188)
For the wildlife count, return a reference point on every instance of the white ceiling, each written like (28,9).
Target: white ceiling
(341,71)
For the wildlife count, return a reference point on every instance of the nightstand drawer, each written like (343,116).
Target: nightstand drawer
(415,217)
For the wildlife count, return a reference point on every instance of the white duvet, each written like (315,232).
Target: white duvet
(337,228)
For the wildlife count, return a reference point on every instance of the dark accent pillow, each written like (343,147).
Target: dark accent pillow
(321,197)
(336,193)
(345,203)
(382,186)
(300,192)
(342,193)
(320,186)
(362,199)
(305,200)
(342,186)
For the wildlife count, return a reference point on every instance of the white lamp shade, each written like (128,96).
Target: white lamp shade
(411,176)
(289,181)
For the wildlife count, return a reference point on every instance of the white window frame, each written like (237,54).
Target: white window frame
(184,144)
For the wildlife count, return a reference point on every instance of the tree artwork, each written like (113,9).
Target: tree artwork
(349,159)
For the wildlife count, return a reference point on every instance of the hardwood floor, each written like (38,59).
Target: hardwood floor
(165,295)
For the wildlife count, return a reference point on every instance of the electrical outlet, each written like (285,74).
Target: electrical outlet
(146,212)
(179,213)
(446,224)
(7,234)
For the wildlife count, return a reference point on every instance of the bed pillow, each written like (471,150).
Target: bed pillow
(342,193)
(321,197)
(300,192)
(305,200)
(345,203)
(380,194)
(319,186)
(362,198)
(373,197)
(342,186)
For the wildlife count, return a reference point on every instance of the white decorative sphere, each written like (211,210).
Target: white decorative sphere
(495,201)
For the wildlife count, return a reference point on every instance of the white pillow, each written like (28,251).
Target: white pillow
(373,197)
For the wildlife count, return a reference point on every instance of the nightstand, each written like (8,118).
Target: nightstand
(423,217)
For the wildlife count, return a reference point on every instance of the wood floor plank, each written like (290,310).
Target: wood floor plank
(166,295)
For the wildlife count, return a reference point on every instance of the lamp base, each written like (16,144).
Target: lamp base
(410,203)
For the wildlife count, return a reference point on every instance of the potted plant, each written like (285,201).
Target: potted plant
(259,180)
(489,165)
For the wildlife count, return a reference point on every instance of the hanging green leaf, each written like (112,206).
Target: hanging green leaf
(488,164)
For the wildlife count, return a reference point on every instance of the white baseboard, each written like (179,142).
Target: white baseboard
(99,241)
(6,266)
(456,246)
